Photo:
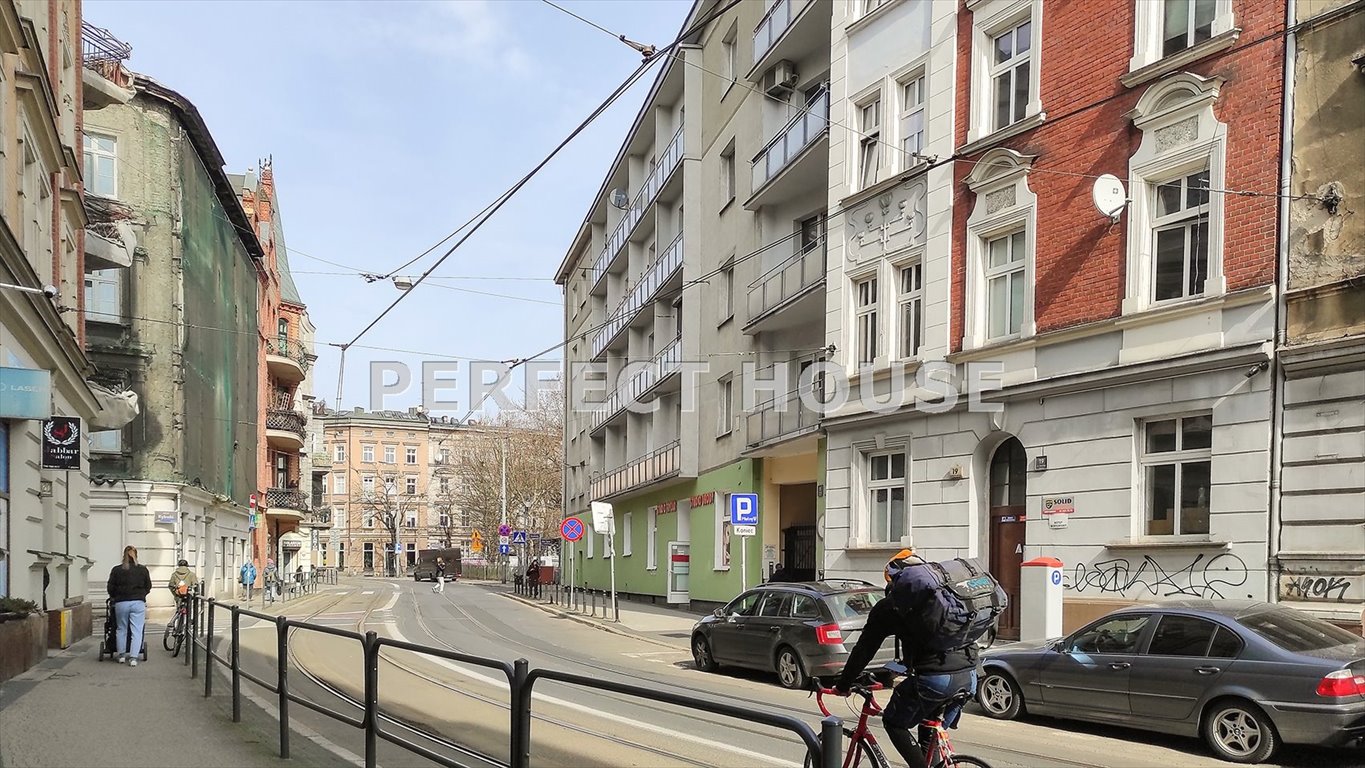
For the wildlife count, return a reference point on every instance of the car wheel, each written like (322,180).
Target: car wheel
(1000,696)
(790,672)
(1238,731)
(701,654)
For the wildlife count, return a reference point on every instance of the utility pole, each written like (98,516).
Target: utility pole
(503,496)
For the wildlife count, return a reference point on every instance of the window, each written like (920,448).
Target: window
(445,485)
(1181,636)
(865,323)
(724,532)
(745,605)
(410,521)
(1297,632)
(590,538)
(1180,237)
(1005,284)
(775,604)
(339,453)
(106,441)
(367,485)
(730,55)
(390,454)
(1117,635)
(911,309)
(869,146)
(652,539)
(886,496)
(101,165)
(626,535)
(871,5)
(282,331)
(1185,23)
(410,486)
(912,120)
(370,518)
(367,454)
(36,212)
(104,295)
(339,484)
(727,174)
(727,291)
(1226,644)
(1010,75)
(411,455)
(1176,459)
(444,520)
(804,607)
(725,406)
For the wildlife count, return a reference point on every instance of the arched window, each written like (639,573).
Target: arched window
(1008,475)
(283,332)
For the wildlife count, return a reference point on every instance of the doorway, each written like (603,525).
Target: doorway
(1008,495)
(796,515)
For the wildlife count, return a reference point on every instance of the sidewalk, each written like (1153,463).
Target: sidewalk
(670,627)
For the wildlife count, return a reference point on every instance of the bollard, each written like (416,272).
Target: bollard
(236,665)
(831,737)
(192,637)
(282,680)
(208,653)
(370,650)
(521,715)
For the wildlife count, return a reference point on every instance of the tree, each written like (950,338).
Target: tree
(390,507)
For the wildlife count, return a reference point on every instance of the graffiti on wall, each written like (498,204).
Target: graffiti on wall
(1315,587)
(1203,576)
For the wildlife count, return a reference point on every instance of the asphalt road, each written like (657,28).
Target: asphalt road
(578,726)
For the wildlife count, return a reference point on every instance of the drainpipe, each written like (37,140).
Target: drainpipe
(1274,533)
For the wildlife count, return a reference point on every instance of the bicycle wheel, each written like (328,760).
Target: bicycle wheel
(168,640)
(966,760)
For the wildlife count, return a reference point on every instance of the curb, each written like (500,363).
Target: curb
(550,609)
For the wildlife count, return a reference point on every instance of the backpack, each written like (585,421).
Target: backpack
(952,603)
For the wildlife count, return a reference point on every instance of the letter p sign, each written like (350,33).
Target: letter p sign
(744,509)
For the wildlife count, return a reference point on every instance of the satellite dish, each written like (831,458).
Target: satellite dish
(1109,196)
(619,199)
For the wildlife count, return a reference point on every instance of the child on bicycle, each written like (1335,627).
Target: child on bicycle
(936,676)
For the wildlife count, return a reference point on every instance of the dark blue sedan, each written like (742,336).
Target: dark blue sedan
(1246,676)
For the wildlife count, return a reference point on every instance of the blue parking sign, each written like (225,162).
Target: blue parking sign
(744,509)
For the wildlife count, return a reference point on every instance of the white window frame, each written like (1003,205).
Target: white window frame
(92,156)
(991,18)
(1020,34)
(1016,268)
(868,116)
(726,297)
(1004,205)
(390,454)
(729,51)
(339,484)
(591,537)
(1149,60)
(106,441)
(905,300)
(881,534)
(867,316)
(1187,219)
(97,308)
(410,456)
(724,533)
(728,175)
(1180,135)
(909,157)
(367,454)
(339,453)
(1147,462)
(626,536)
(410,485)
(652,539)
(367,485)
(725,405)
(443,520)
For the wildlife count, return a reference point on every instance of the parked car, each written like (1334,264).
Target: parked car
(1246,676)
(798,630)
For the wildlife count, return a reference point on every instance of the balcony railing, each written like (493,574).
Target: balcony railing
(802,131)
(776,419)
(282,399)
(322,460)
(663,168)
(286,421)
(318,517)
(99,46)
(645,291)
(286,498)
(775,24)
(290,348)
(662,463)
(663,364)
(787,280)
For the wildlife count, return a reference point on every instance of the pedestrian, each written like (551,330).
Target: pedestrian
(298,577)
(272,577)
(533,579)
(248,578)
(779,574)
(440,585)
(129,585)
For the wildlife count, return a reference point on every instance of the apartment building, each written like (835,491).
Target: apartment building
(1124,424)
(171,315)
(1320,546)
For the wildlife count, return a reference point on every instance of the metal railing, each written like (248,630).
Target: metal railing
(644,291)
(663,169)
(286,498)
(99,46)
(287,421)
(823,749)
(800,132)
(775,24)
(784,414)
(660,367)
(805,269)
(289,348)
(662,463)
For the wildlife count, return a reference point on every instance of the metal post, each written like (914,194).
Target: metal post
(282,680)
(831,742)
(236,665)
(503,502)
(208,654)
(611,547)
(521,715)
(370,650)
(193,639)
(743,563)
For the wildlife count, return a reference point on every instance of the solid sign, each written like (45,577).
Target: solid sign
(518,537)
(504,529)
(744,509)
(746,530)
(504,549)
(602,519)
(504,540)
(62,443)
(1058,505)
(571,529)
(1056,577)
(25,393)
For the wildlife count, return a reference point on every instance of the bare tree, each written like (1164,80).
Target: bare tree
(444,506)
(389,506)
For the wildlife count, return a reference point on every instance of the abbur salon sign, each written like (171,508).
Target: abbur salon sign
(62,443)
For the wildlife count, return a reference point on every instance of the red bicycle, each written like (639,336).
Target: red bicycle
(861,742)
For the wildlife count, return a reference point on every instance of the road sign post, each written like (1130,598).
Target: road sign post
(744,522)
(604,521)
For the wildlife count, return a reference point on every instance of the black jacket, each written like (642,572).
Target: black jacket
(126,584)
(883,622)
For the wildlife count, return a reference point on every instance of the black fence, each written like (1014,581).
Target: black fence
(824,749)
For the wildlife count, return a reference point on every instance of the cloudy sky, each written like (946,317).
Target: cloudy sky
(390,124)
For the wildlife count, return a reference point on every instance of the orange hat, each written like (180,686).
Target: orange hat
(897,563)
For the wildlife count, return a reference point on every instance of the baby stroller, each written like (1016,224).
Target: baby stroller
(108,646)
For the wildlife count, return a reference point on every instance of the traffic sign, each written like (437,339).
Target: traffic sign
(504,529)
(571,529)
(744,508)
(504,540)
(746,530)
(518,537)
(603,521)
(504,549)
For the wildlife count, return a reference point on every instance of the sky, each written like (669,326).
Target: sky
(389,125)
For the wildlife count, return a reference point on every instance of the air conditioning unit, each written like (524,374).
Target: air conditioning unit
(780,80)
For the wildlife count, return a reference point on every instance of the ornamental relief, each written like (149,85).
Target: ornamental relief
(1177,134)
(889,222)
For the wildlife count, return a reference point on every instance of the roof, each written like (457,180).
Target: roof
(1230,608)
(288,290)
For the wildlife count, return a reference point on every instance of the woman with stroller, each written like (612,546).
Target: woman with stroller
(129,585)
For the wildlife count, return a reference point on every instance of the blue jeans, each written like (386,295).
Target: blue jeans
(920,697)
(129,614)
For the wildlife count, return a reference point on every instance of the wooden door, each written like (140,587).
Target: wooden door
(1007,558)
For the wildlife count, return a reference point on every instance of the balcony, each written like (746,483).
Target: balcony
(662,464)
(318,518)
(662,368)
(285,428)
(787,295)
(105,80)
(667,162)
(286,503)
(795,161)
(322,461)
(781,422)
(791,29)
(286,360)
(665,266)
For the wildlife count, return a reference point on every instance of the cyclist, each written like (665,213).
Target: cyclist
(934,677)
(182,581)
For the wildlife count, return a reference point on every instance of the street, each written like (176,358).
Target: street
(573,726)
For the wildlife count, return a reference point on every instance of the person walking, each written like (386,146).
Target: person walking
(248,578)
(440,585)
(272,578)
(129,585)
(533,579)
